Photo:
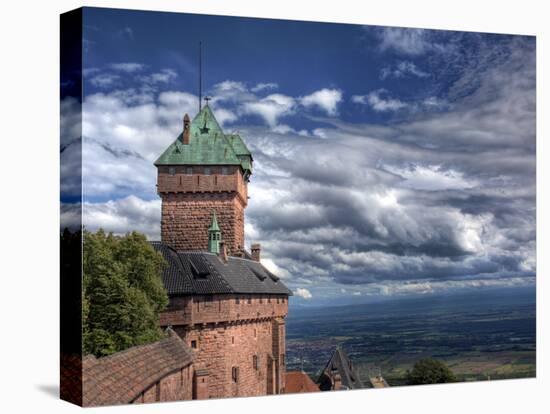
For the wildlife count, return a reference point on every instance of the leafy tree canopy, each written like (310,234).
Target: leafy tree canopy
(430,371)
(123,292)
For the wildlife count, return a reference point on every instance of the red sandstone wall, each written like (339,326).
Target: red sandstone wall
(228,334)
(174,387)
(186,217)
(187,310)
(188,201)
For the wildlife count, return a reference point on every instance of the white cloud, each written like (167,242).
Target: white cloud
(320,132)
(104,80)
(129,67)
(275,269)
(402,69)
(123,135)
(303,293)
(224,116)
(271,108)
(432,178)
(264,86)
(325,99)
(408,41)
(163,76)
(123,215)
(379,101)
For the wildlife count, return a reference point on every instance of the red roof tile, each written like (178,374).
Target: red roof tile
(299,381)
(121,377)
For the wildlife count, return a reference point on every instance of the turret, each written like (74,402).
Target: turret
(214,235)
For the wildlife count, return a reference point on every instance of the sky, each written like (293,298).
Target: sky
(387,161)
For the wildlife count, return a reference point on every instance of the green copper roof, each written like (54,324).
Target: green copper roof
(208,145)
(214,225)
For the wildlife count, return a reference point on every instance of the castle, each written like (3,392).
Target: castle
(225,321)
(224,304)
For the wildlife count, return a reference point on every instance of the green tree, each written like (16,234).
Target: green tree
(430,371)
(123,292)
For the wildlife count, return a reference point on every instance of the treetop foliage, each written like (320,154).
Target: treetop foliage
(123,292)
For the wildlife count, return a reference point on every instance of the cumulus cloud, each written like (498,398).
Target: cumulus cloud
(271,108)
(325,99)
(303,293)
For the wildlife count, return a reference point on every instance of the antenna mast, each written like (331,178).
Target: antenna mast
(200,76)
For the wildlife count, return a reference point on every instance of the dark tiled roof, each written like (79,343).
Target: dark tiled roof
(121,377)
(340,363)
(299,381)
(199,273)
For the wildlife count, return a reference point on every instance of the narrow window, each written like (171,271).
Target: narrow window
(215,180)
(261,300)
(194,344)
(249,301)
(255,362)
(180,179)
(277,300)
(282,359)
(232,340)
(237,300)
(255,333)
(269,300)
(235,374)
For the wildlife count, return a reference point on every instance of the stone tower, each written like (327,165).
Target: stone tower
(201,172)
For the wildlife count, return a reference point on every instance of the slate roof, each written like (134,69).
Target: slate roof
(299,381)
(208,145)
(199,273)
(121,377)
(341,364)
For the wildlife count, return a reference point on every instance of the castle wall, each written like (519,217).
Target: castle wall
(188,200)
(185,219)
(173,387)
(226,335)
(189,310)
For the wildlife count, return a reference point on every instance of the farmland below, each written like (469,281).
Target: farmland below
(480,335)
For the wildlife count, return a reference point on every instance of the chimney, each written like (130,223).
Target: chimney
(255,249)
(223,252)
(186,129)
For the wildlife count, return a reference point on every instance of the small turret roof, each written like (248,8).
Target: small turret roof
(208,145)
(214,224)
